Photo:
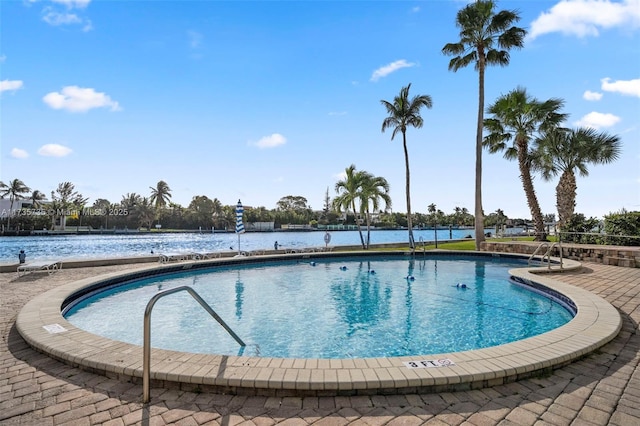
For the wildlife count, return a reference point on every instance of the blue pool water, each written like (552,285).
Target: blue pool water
(330,308)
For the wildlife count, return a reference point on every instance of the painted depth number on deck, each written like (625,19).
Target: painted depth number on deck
(443,362)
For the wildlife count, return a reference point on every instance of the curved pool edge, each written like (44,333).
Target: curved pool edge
(596,323)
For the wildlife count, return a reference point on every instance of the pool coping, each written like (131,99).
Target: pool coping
(596,323)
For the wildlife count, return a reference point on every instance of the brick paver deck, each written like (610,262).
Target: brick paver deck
(601,389)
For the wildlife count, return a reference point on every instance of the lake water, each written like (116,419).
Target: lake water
(67,247)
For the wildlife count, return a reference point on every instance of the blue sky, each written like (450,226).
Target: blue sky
(259,100)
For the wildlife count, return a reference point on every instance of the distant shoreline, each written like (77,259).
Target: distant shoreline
(86,231)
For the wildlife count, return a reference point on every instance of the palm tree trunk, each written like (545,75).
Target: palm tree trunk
(353,205)
(368,229)
(479,219)
(9,215)
(527,184)
(566,197)
(408,184)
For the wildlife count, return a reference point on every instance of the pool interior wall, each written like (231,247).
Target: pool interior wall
(41,324)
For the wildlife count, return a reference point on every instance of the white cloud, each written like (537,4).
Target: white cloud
(58,14)
(79,4)
(55,18)
(389,68)
(19,153)
(624,87)
(54,150)
(78,99)
(270,141)
(592,96)
(2,58)
(584,18)
(335,113)
(6,85)
(598,120)
(415,9)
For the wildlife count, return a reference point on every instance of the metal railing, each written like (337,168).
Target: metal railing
(599,238)
(146,356)
(547,254)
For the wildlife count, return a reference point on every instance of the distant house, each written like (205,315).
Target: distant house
(6,210)
(261,226)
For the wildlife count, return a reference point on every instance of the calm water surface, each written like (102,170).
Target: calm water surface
(66,247)
(331,308)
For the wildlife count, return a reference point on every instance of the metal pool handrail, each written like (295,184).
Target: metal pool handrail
(547,254)
(146,356)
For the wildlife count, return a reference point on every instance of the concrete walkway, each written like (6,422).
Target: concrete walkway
(601,389)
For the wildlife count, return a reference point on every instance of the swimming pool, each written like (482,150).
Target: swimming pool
(381,306)
(42,326)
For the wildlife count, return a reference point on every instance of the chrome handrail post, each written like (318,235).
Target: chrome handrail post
(146,349)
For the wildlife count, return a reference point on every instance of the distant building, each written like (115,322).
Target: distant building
(261,226)
(6,210)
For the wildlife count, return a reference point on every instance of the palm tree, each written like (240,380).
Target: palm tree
(517,117)
(348,193)
(63,199)
(485,39)
(160,195)
(404,112)
(15,190)
(130,201)
(145,212)
(457,212)
(35,198)
(129,204)
(566,151)
(103,205)
(218,212)
(373,189)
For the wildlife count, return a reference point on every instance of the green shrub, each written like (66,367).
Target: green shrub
(581,230)
(622,227)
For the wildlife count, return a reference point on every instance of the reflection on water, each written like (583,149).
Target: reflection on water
(360,301)
(318,309)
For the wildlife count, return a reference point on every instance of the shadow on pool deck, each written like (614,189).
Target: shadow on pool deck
(600,389)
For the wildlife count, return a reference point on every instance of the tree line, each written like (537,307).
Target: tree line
(361,198)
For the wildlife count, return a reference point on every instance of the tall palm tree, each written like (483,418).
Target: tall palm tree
(566,151)
(15,190)
(518,118)
(348,193)
(373,189)
(485,39)
(35,198)
(160,195)
(404,112)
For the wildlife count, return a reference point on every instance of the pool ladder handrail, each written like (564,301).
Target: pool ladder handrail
(547,254)
(146,356)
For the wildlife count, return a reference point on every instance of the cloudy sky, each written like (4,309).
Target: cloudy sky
(259,100)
